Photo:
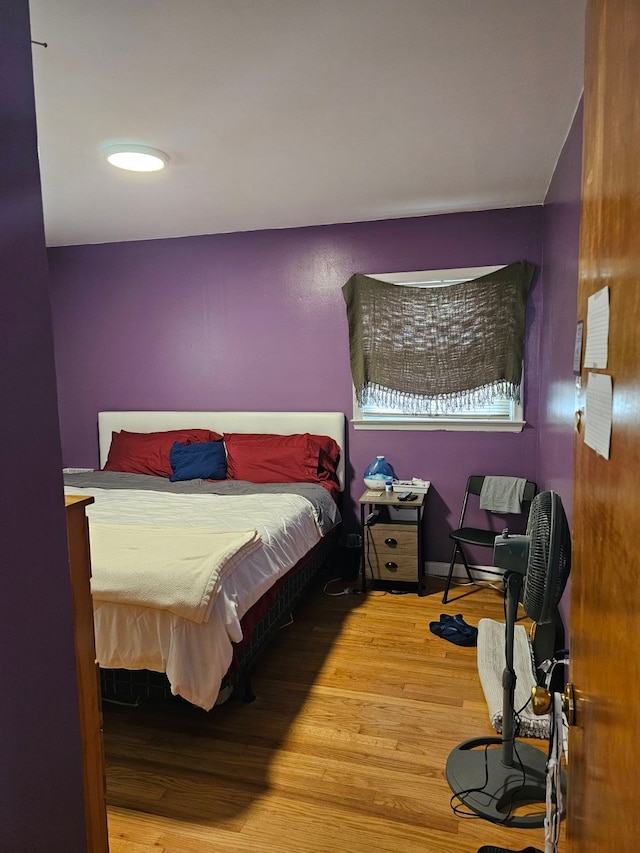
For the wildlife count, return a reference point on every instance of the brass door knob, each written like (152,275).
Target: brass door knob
(569,704)
(541,702)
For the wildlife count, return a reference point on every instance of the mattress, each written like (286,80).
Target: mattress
(196,655)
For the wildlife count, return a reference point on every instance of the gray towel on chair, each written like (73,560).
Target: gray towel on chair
(502,494)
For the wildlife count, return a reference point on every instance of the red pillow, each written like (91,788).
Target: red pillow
(329,455)
(264,458)
(148,452)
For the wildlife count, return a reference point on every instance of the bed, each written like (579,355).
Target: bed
(193,574)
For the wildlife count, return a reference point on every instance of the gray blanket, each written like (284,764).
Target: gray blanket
(502,494)
(327,512)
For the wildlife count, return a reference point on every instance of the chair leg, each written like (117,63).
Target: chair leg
(449,576)
(456,550)
(465,563)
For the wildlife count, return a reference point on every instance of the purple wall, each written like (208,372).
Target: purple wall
(257,321)
(559,304)
(41,800)
(557,383)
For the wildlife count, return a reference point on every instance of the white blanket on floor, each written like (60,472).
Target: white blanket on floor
(167,568)
(491,665)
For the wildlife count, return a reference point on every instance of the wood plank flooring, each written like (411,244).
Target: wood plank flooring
(358,706)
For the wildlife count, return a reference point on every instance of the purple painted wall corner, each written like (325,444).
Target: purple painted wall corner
(557,384)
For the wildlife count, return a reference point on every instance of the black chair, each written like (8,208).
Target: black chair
(475,535)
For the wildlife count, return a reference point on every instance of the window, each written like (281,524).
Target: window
(499,413)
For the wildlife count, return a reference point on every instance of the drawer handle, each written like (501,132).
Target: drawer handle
(391,542)
(391,566)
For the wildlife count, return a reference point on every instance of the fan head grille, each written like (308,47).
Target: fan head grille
(549,557)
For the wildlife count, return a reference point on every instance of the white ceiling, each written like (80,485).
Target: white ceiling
(281,113)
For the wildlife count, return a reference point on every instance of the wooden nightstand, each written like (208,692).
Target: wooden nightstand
(87,673)
(393,543)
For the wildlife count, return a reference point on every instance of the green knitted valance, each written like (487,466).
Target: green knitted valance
(432,350)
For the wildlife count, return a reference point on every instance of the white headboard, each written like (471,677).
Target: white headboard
(277,423)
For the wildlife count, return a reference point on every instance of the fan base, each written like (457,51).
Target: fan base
(492,790)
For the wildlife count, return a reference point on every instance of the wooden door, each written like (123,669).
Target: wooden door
(604,775)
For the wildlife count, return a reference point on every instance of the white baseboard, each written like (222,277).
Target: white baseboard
(437,569)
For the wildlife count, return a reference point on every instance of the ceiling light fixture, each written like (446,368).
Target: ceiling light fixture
(136,158)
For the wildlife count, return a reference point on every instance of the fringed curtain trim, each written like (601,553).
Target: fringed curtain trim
(414,404)
(435,350)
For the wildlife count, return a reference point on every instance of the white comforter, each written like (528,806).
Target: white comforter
(195,656)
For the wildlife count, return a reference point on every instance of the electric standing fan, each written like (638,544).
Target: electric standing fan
(488,780)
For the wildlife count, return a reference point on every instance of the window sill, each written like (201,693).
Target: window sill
(442,424)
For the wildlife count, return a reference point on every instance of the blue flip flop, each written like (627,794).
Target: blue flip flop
(455,630)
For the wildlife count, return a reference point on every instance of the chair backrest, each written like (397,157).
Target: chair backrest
(474,487)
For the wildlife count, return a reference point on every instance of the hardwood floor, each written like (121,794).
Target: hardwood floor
(358,706)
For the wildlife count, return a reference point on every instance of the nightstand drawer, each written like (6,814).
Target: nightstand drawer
(393,552)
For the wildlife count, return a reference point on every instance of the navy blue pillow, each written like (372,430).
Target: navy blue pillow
(205,459)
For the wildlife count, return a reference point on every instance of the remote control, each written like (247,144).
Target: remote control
(406,496)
